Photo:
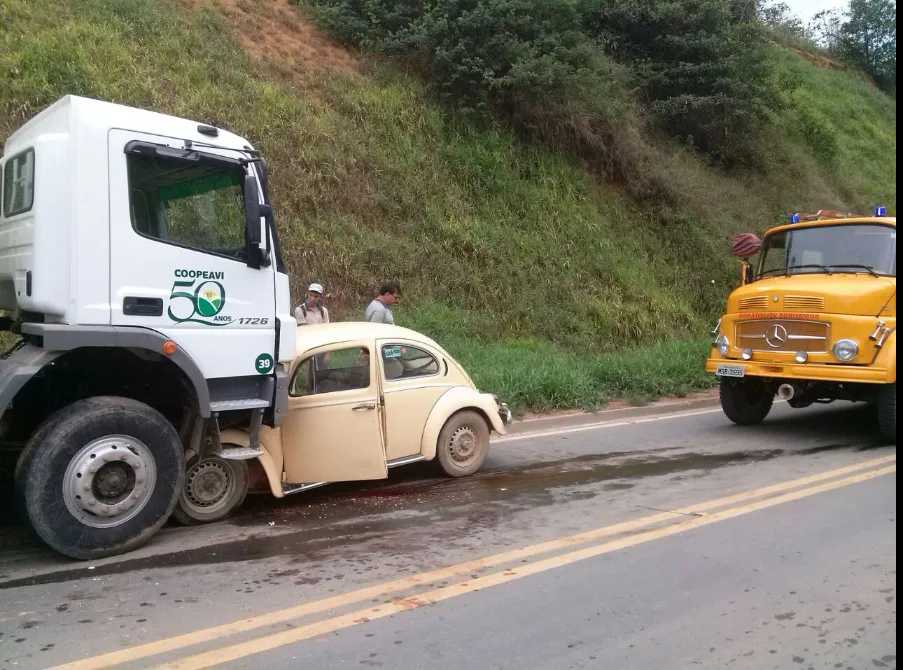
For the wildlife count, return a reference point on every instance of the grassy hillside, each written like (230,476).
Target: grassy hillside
(553,286)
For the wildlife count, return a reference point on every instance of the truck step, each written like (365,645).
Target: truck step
(240,453)
(238,404)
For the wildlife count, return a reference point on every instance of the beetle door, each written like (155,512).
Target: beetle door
(414,380)
(333,431)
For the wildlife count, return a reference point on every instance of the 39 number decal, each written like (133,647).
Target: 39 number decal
(264,364)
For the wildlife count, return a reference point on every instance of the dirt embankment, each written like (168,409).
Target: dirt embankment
(276,30)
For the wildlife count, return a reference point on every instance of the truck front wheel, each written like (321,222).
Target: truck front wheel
(100,477)
(745,401)
(887,412)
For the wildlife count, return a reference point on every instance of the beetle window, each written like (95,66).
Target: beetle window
(402,361)
(332,372)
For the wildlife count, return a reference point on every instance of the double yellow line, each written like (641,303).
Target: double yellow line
(632,533)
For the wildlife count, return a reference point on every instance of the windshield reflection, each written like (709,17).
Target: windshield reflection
(867,248)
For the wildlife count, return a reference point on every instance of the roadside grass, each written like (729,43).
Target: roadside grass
(848,124)
(554,288)
(533,375)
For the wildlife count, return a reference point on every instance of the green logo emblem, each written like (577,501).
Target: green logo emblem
(210,298)
(264,364)
(193,302)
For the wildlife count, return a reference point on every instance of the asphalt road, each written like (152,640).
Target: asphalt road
(676,541)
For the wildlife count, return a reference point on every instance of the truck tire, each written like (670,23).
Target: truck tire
(887,412)
(214,488)
(745,402)
(463,444)
(84,510)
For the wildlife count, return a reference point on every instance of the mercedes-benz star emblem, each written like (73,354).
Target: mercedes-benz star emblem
(776,336)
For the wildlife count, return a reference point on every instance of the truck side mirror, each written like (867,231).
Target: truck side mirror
(254,211)
(744,246)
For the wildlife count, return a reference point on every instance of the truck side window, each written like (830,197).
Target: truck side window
(18,184)
(195,206)
(340,370)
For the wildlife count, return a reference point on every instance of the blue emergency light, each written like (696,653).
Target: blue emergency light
(794,218)
(880,211)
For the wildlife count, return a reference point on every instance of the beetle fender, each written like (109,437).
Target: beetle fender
(268,459)
(454,400)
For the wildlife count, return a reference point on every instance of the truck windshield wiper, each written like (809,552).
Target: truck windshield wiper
(867,268)
(787,270)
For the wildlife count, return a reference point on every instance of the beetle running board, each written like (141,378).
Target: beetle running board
(289,489)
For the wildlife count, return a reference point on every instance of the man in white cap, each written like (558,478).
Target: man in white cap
(312,312)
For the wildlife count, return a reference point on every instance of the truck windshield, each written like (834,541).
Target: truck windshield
(197,206)
(866,248)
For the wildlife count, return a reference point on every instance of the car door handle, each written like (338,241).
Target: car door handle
(138,306)
(366,405)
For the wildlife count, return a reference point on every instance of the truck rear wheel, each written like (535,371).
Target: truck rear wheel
(100,477)
(745,401)
(214,488)
(887,412)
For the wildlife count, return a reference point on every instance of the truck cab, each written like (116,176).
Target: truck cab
(814,321)
(142,277)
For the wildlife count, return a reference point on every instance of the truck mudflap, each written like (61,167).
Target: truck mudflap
(17,367)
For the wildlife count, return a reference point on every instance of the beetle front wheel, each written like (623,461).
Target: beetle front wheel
(463,444)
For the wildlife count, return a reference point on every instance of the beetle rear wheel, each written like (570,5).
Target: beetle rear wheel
(214,488)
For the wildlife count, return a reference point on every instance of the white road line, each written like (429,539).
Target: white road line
(614,423)
(603,424)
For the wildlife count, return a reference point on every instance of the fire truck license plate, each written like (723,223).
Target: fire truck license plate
(730,371)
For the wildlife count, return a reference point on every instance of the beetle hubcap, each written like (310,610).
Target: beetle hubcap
(464,445)
(207,485)
(109,481)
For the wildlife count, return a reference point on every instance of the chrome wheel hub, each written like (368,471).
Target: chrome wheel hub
(109,481)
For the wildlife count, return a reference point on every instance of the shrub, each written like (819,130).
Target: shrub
(480,55)
(704,71)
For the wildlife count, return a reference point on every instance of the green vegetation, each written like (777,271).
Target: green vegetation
(863,36)
(561,272)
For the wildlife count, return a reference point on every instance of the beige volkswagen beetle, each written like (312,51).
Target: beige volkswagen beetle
(363,398)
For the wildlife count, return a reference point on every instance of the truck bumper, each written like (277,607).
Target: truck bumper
(851,374)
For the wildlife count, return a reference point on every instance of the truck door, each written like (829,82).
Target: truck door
(179,256)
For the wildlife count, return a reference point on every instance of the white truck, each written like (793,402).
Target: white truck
(140,267)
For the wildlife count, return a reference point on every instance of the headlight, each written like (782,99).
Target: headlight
(846,350)
(722,344)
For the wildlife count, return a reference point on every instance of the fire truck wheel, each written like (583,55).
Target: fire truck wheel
(214,488)
(100,477)
(887,412)
(746,401)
